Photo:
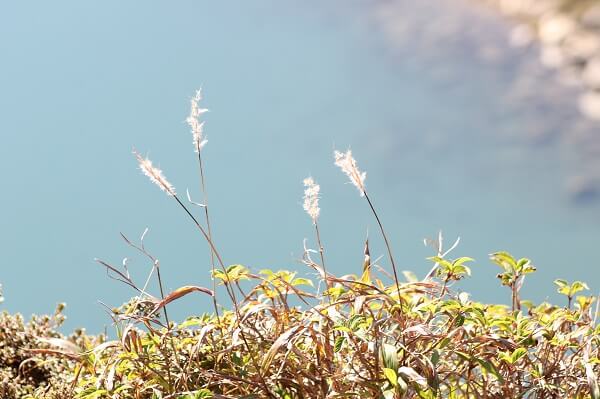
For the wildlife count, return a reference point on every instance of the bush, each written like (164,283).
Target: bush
(368,336)
(25,369)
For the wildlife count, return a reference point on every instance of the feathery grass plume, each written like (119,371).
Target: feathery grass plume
(199,142)
(194,121)
(311,206)
(154,174)
(311,199)
(348,165)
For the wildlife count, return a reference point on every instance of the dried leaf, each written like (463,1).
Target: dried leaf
(178,293)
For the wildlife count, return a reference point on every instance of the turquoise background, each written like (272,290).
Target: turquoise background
(82,83)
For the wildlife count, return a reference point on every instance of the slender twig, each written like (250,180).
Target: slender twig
(208,230)
(311,206)
(197,128)
(231,294)
(156,176)
(348,165)
(387,244)
(321,253)
(212,247)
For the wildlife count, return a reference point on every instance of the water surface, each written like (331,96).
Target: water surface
(457,131)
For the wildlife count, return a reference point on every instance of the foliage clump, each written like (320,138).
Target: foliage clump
(279,335)
(359,339)
(26,370)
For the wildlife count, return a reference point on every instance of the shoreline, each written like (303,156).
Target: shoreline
(550,92)
(568,33)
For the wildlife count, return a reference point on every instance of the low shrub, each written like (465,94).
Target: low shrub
(25,369)
(369,335)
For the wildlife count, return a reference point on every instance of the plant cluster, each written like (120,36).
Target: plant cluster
(365,335)
(25,369)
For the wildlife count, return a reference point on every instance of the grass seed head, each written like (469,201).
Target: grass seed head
(154,174)
(196,125)
(348,165)
(311,198)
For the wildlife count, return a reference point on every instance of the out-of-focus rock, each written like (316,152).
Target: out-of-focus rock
(532,8)
(569,38)
(589,104)
(591,18)
(521,36)
(582,45)
(514,7)
(552,56)
(570,75)
(554,28)
(591,73)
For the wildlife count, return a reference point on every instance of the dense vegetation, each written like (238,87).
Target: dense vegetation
(276,335)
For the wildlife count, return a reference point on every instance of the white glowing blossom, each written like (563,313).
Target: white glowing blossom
(311,198)
(348,166)
(154,174)
(194,121)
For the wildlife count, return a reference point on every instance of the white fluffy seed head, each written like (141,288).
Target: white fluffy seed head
(347,163)
(154,174)
(311,198)
(196,125)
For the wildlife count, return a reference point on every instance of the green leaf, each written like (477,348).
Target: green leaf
(517,354)
(576,287)
(442,262)
(191,322)
(504,260)
(490,368)
(528,269)
(339,341)
(435,357)
(460,269)
(570,290)
(357,322)
(502,355)
(343,329)
(561,283)
(201,394)
(96,394)
(461,260)
(391,376)
(460,320)
(302,281)
(464,357)
(522,264)
(443,343)
(233,273)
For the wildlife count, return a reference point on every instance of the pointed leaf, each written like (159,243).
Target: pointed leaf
(179,292)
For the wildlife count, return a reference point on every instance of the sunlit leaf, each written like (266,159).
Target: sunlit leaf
(390,374)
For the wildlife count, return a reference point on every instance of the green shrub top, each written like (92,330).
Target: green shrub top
(274,334)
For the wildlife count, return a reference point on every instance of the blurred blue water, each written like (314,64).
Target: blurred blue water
(448,139)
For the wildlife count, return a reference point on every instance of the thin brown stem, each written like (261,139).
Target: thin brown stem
(162,293)
(387,244)
(231,294)
(321,253)
(162,296)
(212,248)
(209,232)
